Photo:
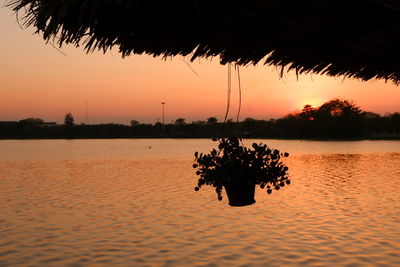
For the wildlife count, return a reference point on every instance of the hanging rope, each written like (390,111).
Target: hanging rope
(228,105)
(240,95)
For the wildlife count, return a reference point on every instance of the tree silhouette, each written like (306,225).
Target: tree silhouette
(308,112)
(212,120)
(69,120)
(199,122)
(339,118)
(337,108)
(335,119)
(135,123)
(180,122)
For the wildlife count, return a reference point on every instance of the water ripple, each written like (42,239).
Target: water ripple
(342,209)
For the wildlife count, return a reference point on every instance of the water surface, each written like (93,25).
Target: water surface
(132,203)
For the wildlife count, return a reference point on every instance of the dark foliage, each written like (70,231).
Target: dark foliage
(356,38)
(335,119)
(233,163)
(69,120)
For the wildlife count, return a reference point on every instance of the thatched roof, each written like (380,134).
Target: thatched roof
(354,38)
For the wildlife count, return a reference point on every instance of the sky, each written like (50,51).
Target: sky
(38,80)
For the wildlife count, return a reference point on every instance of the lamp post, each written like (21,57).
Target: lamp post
(163,131)
(86,108)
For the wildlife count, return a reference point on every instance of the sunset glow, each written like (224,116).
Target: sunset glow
(133,145)
(312,102)
(39,81)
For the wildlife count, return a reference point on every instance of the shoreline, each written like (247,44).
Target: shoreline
(173,138)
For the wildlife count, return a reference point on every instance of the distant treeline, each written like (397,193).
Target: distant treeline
(335,119)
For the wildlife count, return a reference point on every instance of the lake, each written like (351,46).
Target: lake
(132,203)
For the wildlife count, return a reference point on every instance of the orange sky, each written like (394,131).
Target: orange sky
(36,80)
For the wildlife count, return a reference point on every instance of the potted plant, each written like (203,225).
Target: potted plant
(239,169)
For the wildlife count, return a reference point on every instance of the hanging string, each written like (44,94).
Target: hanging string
(228,105)
(240,105)
(240,95)
(229,97)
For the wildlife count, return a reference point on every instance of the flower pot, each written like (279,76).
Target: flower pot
(240,194)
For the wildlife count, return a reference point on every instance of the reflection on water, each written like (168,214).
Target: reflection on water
(118,202)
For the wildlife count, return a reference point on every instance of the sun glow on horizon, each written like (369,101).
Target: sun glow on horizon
(314,102)
(39,81)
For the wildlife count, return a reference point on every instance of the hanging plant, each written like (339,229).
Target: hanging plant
(239,169)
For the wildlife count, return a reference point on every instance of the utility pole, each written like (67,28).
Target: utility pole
(163,118)
(86,108)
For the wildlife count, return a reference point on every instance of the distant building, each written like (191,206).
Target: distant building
(371,115)
(36,122)
(45,123)
(6,123)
